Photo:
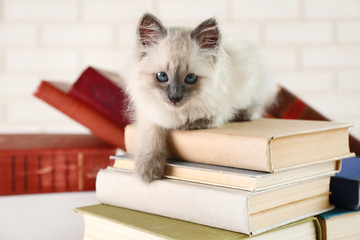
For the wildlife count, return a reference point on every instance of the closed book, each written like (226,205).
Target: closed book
(248,180)
(340,224)
(225,208)
(45,163)
(345,186)
(121,223)
(269,145)
(100,126)
(99,90)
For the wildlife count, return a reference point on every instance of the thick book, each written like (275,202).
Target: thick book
(345,186)
(248,180)
(269,145)
(99,125)
(45,163)
(340,224)
(99,90)
(231,209)
(121,223)
(287,105)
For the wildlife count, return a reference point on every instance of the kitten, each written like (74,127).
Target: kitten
(187,79)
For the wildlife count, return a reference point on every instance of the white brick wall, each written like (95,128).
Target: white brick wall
(39,10)
(312,47)
(77,35)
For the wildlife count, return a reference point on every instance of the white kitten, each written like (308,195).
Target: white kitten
(184,79)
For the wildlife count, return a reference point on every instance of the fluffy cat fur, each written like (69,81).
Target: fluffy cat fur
(232,84)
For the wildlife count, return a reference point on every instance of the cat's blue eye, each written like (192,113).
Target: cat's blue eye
(162,77)
(191,78)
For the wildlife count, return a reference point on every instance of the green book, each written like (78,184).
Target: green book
(109,222)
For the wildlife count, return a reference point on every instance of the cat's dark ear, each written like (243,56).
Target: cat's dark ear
(207,34)
(150,30)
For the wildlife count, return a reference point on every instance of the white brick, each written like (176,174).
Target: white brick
(115,10)
(236,32)
(17,35)
(39,10)
(333,8)
(20,128)
(40,60)
(349,81)
(77,35)
(335,104)
(264,9)
(126,34)
(306,82)
(331,57)
(349,31)
(17,85)
(299,33)
(32,110)
(192,9)
(113,60)
(281,58)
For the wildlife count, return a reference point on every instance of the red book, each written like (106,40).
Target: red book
(45,163)
(98,89)
(99,125)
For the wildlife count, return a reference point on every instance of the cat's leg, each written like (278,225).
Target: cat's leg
(152,151)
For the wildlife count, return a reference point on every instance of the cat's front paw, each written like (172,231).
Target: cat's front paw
(150,169)
(198,124)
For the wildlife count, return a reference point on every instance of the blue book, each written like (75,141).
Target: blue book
(345,186)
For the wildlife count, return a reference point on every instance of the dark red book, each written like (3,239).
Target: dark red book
(288,106)
(99,90)
(45,163)
(99,125)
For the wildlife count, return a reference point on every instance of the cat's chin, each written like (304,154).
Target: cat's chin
(175,106)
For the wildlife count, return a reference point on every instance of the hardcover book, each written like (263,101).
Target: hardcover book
(269,145)
(345,186)
(231,209)
(98,89)
(99,125)
(121,223)
(45,163)
(235,177)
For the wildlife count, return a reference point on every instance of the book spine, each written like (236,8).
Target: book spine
(47,172)
(208,205)
(100,126)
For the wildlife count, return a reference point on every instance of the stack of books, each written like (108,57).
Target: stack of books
(266,178)
(262,178)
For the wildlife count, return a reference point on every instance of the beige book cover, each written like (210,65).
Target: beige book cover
(220,207)
(269,145)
